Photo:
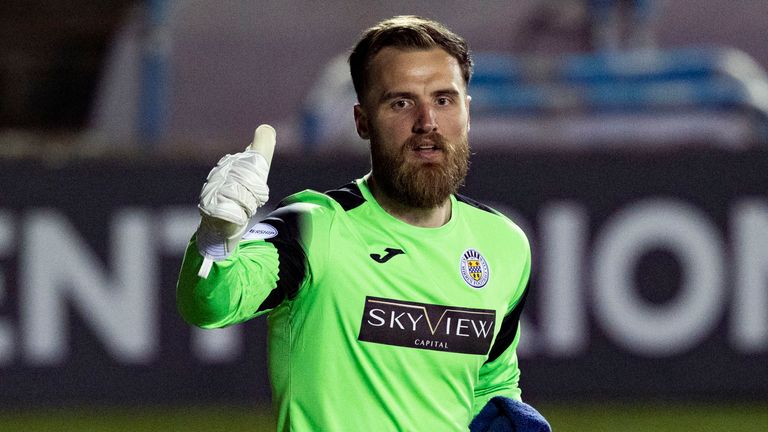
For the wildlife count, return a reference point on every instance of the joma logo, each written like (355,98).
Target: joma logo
(427,326)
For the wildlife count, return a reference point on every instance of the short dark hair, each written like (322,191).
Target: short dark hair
(405,32)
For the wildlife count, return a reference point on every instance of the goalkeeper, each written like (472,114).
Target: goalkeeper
(393,302)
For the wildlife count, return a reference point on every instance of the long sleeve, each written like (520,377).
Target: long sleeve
(235,289)
(500,374)
(270,265)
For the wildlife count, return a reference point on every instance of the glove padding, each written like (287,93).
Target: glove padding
(502,414)
(234,189)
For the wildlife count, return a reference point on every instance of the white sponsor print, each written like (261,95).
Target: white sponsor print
(260,231)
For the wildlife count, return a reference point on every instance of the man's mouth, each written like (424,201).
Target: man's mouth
(427,144)
(430,147)
(428,152)
(426,147)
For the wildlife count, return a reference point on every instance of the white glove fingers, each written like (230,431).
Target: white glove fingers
(264,139)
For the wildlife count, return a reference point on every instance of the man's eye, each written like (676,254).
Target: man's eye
(400,104)
(443,100)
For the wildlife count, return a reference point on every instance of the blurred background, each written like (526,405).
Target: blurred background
(629,139)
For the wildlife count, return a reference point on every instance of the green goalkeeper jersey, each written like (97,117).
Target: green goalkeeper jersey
(374,324)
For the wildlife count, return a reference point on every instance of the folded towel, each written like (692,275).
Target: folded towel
(502,414)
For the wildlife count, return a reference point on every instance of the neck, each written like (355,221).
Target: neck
(421,217)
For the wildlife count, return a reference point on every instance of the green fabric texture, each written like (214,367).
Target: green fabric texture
(374,324)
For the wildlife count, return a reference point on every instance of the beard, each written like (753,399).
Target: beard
(418,184)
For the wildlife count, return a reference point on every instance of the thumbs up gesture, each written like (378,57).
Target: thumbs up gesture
(234,189)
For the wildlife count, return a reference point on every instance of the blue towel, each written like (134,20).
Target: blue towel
(503,414)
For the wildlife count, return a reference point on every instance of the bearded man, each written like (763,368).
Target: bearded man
(418,329)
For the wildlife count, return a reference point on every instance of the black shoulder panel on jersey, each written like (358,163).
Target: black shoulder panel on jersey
(293,263)
(469,201)
(508,330)
(348,196)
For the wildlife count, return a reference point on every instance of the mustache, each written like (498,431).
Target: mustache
(431,139)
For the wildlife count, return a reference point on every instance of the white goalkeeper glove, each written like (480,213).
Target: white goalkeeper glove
(235,188)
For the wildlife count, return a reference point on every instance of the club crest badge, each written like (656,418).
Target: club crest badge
(474,268)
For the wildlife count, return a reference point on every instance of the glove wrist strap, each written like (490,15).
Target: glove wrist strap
(212,244)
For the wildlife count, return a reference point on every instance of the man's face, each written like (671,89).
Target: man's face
(416,114)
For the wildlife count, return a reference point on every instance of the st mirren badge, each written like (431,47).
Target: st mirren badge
(474,268)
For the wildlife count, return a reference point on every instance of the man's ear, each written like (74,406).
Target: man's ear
(469,99)
(361,122)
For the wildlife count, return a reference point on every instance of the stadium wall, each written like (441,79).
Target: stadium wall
(650,277)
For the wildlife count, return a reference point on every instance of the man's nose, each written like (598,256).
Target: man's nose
(426,120)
